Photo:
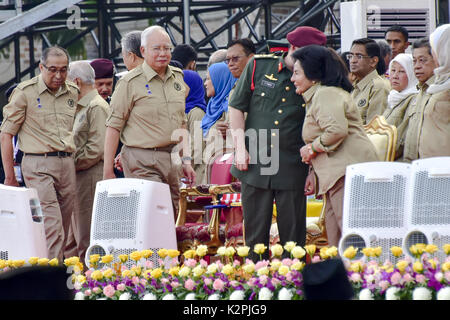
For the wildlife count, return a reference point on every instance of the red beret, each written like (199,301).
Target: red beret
(103,68)
(304,36)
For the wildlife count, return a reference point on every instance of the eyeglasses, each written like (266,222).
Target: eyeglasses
(233,59)
(54,70)
(421,61)
(350,56)
(161,49)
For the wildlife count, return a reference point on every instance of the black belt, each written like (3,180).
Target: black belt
(164,149)
(59,154)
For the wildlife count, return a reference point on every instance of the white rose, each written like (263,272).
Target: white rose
(265,294)
(365,294)
(79,296)
(285,294)
(125,296)
(149,296)
(169,296)
(190,296)
(214,296)
(421,293)
(221,251)
(237,295)
(391,293)
(443,294)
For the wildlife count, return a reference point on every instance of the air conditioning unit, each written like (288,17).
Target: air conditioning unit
(429,218)
(374,213)
(22,233)
(130,215)
(371,18)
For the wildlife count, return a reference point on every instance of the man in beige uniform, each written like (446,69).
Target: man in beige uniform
(370,89)
(424,66)
(89,135)
(42,111)
(146,108)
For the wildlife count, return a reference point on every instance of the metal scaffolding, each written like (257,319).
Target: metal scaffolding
(100,19)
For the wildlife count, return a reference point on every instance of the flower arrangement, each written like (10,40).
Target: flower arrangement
(232,276)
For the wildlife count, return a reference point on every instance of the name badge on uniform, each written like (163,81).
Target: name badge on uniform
(361,102)
(268,84)
(177,86)
(71,103)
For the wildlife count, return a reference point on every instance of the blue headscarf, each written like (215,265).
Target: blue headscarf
(196,97)
(222,81)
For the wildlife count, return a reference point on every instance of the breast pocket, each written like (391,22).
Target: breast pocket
(263,99)
(147,109)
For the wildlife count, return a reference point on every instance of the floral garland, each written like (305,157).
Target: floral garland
(233,277)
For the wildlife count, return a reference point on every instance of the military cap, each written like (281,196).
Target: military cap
(304,36)
(104,68)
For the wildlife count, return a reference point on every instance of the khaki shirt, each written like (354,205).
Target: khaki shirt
(147,109)
(43,120)
(398,116)
(415,116)
(434,137)
(333,123)
(370,96)
(89,130)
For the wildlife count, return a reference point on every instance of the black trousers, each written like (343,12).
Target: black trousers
(257,207)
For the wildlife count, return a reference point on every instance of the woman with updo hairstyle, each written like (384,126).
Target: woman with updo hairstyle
(332,130)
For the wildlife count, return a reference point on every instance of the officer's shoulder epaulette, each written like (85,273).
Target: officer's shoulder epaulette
(265,56)
(175,69)
(132,74)
(72,85)
(27,83)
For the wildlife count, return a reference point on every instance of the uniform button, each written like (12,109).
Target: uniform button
(263,94)
(271,145)
(274,134)
(280,111)
(283,100)
(303,105)
(276,122)
(288,88)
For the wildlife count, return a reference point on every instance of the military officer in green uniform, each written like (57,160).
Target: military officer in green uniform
(269,167)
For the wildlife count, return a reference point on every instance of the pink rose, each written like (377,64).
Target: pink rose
(121,287)
(234,283)
(204,263)
(408,278)
(251,282)
(439,276)
(191,263)
(236,263)
(316,259)
(143,281)
(96,290)
(218,284)
(383,285)
(207,281)
(289,276)
(287,262)
(355,277)
(189,284)
(396,278)
(175,284)
(165,281)
(263,279)
(109,291)
(261,264)
(135,280)
(88,273)
(420,278)
(148,264)
(87,293)
(447,276)
(275,281)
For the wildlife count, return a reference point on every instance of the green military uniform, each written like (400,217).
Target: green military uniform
(267,94)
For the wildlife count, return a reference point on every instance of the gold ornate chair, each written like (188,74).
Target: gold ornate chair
(383,136)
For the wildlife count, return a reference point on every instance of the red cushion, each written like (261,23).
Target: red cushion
(197,231)
(220,170)
(235,231)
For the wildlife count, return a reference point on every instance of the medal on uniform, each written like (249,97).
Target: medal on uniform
(177,86)
(271,77)
(70,102)
(148,89)
(39,103)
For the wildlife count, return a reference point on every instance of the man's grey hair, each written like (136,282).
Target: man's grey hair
(131,42)
(384,47)
(83,71)
(54,51)
(218,56)
(148,31)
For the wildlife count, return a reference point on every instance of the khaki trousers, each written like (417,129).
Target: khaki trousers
(154,166)
(54,180)
(334,208)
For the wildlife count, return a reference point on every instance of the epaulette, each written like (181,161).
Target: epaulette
(175,69)
(266,56)
(72,85)
(27,83)
(132,74)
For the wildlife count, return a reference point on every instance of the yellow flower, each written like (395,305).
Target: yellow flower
(222,251)
(401,265)
(283,270)
(18,263)
(212,268)
(198,271)
(78,268)
(94,258)
(396,251)
(230,252)
(323,253)
(81,279)
(137,270)
(332,252)
(2,264)
(108,258)
(243,251)
(298,252)
(33,261)
(259,248)
(174,271)
(446,266)
(277,250)
(417,249)
(264,271)
(108,273)
(146,273)
(43,261)
(228,269)
(123,258)
(202,250)
(357,266)
(433,263)
(146,253)
(54,262)
(311,249)
(431,248)
(368,252)
(126,274)
(249,268)
(299,265)
(377,251)
(189,254)
(288,246)
(156,273)
(97,275)
(446,248)
(173,253)
(184,271)
(136,255)
(71,261)
(275,265)
(350,252)
(418,267)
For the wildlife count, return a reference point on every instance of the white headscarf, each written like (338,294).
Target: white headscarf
(406,61)
(440,43)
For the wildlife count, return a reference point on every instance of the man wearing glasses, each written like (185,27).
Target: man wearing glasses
(42,111)
(370,89)
(147,106)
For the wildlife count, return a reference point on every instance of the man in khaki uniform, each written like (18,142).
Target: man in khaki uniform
(147,107)
(370,89)
(42,111)
(424,66)
(89,135)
